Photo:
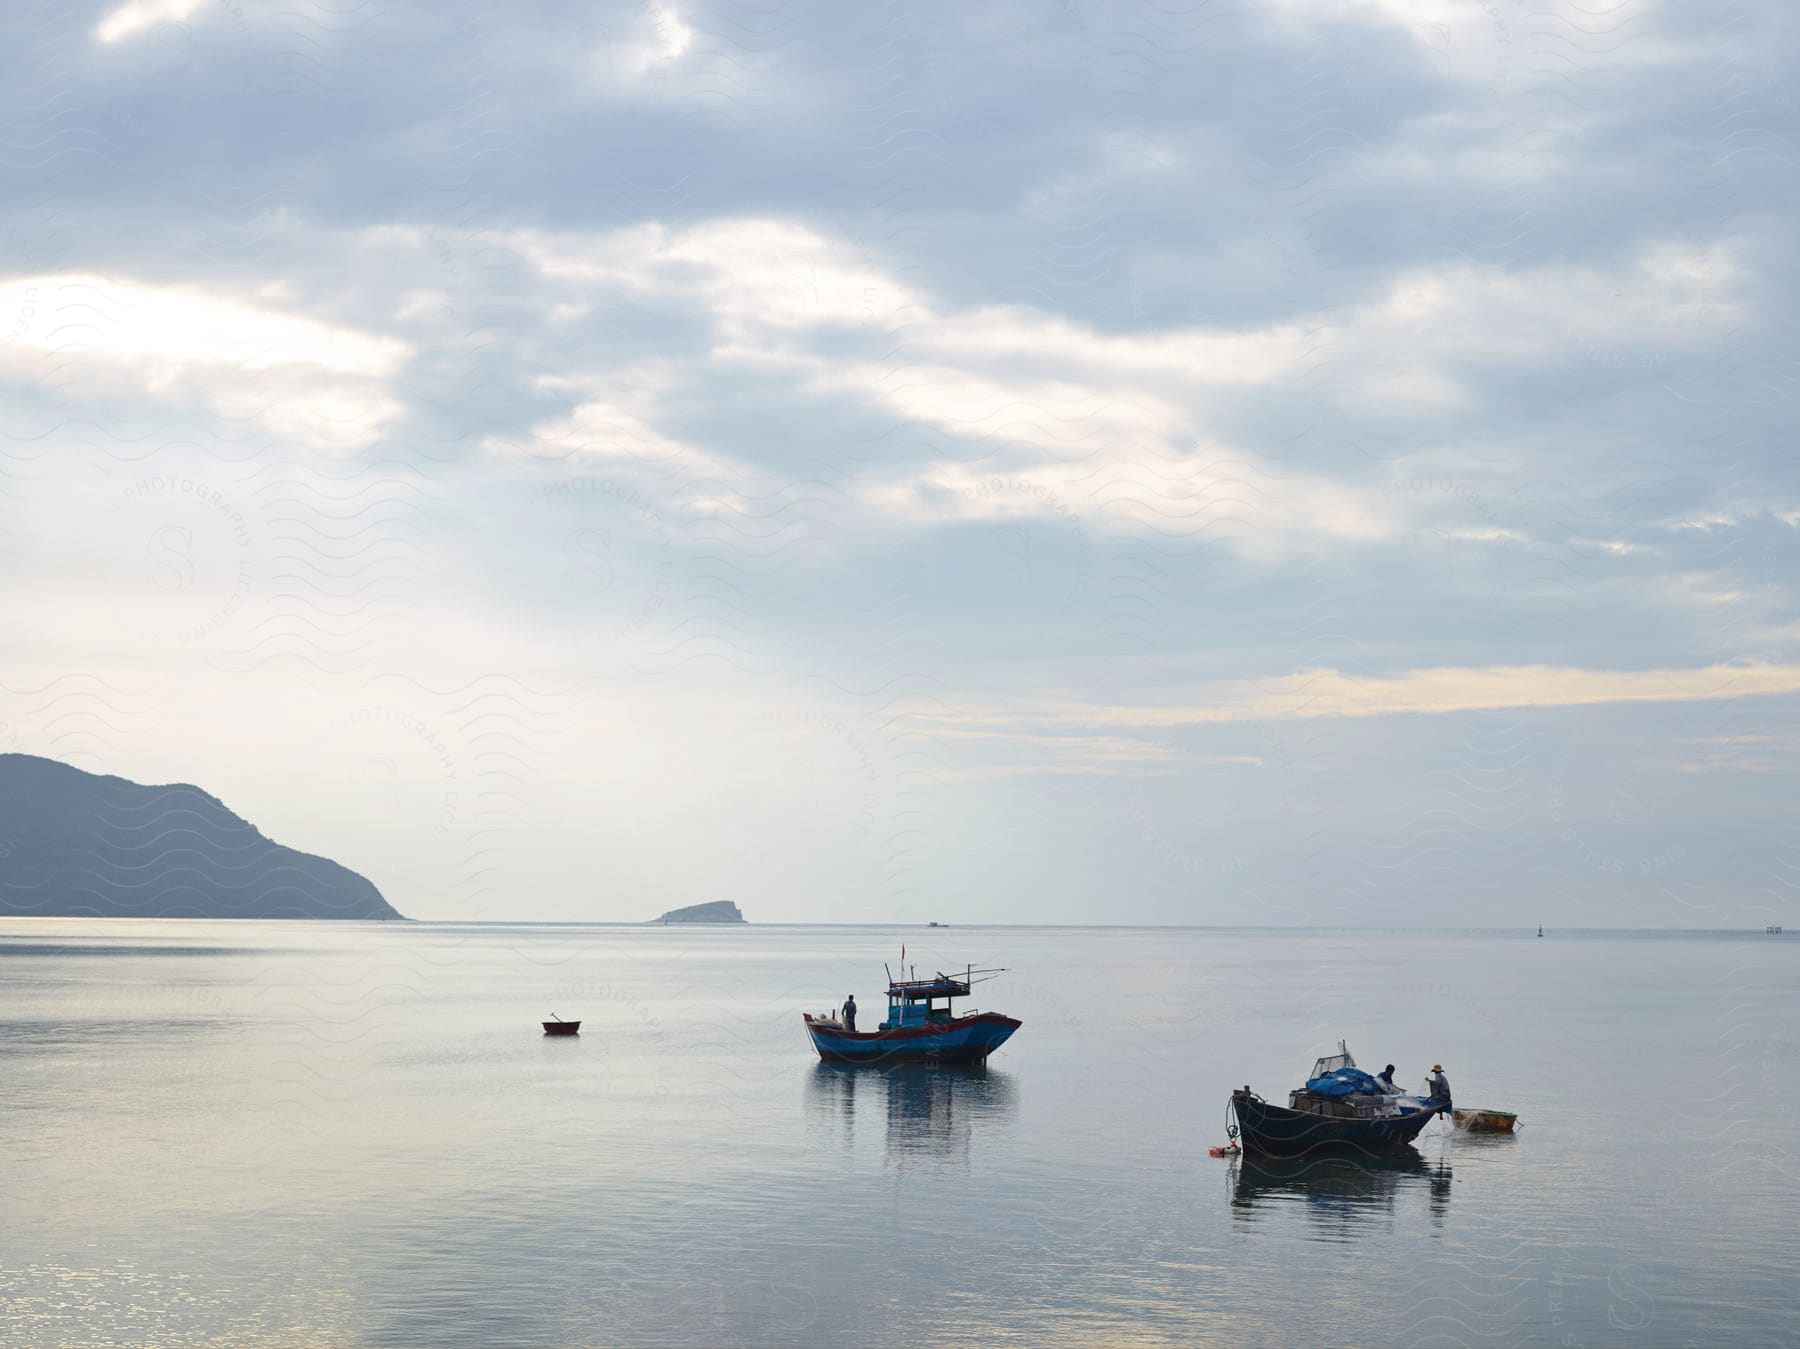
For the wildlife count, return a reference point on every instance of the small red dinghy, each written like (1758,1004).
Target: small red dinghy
(557,1026)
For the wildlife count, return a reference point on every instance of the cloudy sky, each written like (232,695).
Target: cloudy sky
(1307,461)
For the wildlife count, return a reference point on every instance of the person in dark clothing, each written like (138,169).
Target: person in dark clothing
(1386,1078)
(1437,1085)
(850,1012)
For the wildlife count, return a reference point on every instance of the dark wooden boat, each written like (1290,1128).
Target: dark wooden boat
(557,1026)
(1283,1131)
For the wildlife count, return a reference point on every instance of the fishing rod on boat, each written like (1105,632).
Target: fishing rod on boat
(968,975)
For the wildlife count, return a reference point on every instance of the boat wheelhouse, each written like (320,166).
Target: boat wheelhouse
(922,1026)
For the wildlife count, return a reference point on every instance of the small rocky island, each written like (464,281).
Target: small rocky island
(75,844)
(718,911)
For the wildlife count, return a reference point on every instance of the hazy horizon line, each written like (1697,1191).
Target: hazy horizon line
(1527,929)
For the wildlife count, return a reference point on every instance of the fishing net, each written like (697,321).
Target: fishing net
(1346,1082)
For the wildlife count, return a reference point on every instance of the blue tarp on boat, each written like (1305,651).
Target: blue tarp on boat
(1345,1082)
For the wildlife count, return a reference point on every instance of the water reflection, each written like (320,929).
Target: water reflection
(1341,1196)
(1464,1140)
(117,1036)
(930,1115)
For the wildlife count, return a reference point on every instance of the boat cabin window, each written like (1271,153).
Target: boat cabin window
(917,1001)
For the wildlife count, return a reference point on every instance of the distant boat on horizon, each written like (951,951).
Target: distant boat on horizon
(1540,929)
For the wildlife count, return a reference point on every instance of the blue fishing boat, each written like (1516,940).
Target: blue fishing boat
(1340,1109)
(922,1026)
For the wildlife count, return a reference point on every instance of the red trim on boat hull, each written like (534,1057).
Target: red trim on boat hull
(963,1041)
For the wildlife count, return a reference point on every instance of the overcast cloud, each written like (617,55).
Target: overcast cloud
(1307,461)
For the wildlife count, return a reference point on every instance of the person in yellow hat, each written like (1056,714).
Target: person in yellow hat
(1437,1086)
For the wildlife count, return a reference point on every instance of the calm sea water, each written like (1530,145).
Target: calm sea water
(271,1134)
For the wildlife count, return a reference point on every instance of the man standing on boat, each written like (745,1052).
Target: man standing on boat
(850,1012)
(1438,1086)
